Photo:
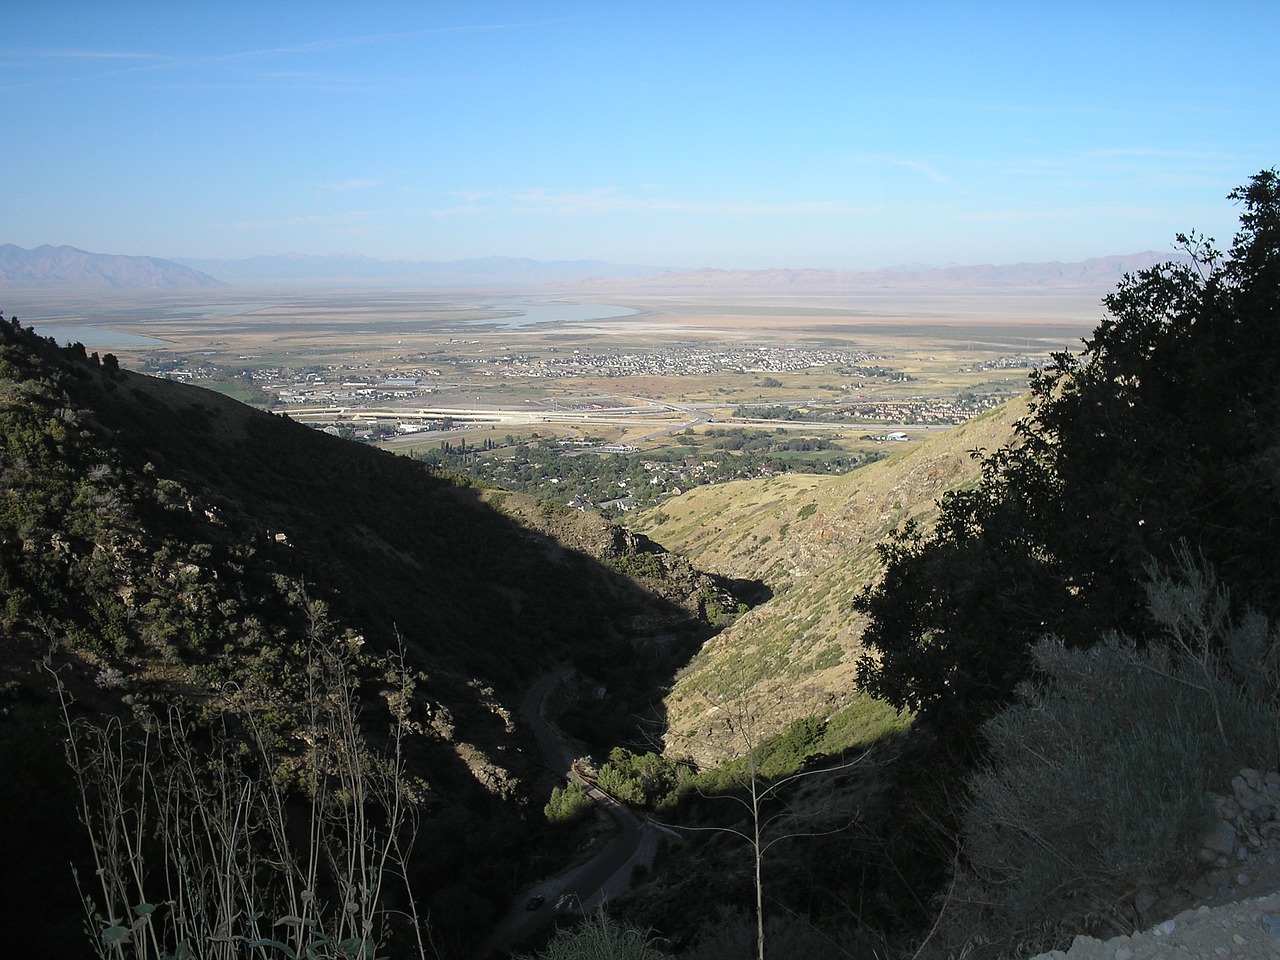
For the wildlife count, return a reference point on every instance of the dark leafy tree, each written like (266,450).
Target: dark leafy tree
(1164,430)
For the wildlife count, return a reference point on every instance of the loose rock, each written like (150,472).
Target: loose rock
(1220,838)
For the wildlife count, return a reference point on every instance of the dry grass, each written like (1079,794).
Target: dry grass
(812,540)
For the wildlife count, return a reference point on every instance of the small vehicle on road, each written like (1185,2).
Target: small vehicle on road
(535,903)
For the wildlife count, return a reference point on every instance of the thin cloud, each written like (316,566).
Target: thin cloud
(342,43)
(163,63)
(300,221)
(931,172)
(149,62)
(304,220)
(609,200)
(343,185)
(1023,109)
(25,67)
(1155,153)
(1126,212)
(1073,159)
(77,55)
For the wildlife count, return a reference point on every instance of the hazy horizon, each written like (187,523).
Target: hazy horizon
(821,135)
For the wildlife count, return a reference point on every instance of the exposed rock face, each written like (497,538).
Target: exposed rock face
(668,575)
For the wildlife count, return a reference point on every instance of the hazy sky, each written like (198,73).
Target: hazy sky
(844,135)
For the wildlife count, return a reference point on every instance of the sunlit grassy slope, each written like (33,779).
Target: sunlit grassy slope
(812,539)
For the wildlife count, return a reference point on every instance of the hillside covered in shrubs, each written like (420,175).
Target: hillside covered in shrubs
(1090,632)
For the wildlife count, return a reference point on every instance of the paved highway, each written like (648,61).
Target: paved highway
(640,410)
(665,418)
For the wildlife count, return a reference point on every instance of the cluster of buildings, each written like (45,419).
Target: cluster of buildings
(341,384)
(1015,362)
(317,389)
(352,384)
(920,411)
(682,361)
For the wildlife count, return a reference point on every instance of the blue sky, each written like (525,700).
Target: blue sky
(737,135)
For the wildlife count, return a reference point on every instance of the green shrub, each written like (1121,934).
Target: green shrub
(772,759)
(860,724)
(640,779)
(1099,777)
(715,612)
(598,938)
(569,804)
(642,566)
(547,509)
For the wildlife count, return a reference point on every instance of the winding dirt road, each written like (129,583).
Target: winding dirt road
(586,886)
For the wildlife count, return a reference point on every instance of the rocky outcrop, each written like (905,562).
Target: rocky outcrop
(1246,819)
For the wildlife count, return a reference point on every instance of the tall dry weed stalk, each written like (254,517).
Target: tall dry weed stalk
(223,839)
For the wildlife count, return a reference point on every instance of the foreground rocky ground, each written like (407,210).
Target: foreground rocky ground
(1248,929)
(1228,902)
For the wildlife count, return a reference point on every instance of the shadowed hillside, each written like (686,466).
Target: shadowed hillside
(166,545)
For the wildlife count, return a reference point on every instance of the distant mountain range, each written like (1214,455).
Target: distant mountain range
(48,267)
(1097,274)
(341,271)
